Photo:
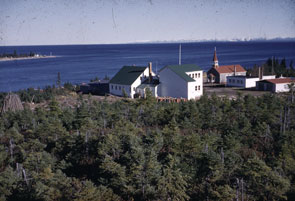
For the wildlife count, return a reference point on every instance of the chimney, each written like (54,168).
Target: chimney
(260,73)
(150,72)
(235,70)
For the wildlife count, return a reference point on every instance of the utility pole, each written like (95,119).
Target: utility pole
(179,62)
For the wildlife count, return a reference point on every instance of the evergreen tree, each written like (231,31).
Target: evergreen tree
(291,65)
(58,81)
(172,184)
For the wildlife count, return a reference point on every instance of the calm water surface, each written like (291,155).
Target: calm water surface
(80,63)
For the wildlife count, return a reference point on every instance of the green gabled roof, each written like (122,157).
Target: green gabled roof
(181,70)
(127,75)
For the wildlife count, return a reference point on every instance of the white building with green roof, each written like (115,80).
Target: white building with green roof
(128,79)
(181,81)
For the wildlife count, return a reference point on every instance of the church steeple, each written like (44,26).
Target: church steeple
(215,60)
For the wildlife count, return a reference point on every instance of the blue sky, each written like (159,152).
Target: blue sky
(42,22)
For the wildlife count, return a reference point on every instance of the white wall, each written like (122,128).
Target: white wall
(282,87)
(138,81)
(251,82)
(232,81)
(117,89)
(154,91)
(196,75)
(243,82)
(223,76)
(171,85)
(268,77)
(195,89)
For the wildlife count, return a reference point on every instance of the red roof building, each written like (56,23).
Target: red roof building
(230,69)
(218,73)
(280,80)
(275,85)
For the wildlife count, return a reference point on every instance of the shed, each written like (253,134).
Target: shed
(275,85)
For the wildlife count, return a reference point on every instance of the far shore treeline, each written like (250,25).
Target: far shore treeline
(16,55)
(274,66)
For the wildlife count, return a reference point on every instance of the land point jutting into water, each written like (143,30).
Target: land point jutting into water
(15,56)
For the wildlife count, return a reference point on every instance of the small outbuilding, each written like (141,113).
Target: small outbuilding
(100,87)
(245,81)
(275,85)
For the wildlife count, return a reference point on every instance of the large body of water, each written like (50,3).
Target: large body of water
(80,63)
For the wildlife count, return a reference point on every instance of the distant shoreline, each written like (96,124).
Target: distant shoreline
(24,58)
(282,40)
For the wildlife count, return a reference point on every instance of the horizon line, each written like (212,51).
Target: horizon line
(277,39)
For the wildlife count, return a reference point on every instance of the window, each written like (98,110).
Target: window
(196,88)
(119,87)
(193,75)
(199,87)
(134,89)
(196,74)
(199,74)
(116,87)
(112,86)
(189,75)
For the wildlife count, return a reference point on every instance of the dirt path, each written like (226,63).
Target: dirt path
(231,92)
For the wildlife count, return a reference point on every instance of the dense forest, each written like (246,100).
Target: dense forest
(210,149)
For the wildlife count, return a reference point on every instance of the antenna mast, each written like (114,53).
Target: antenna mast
(179,62)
